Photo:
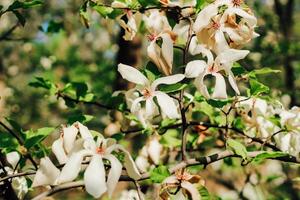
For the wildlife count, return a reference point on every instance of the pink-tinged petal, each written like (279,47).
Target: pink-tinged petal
(69,137)
(90,144)
(233,82)
(94,177)
(220,87)
(114,173)
(168,80)
(59,151)
(191,189)
(170,180)
(204,17)
(167,105)
(249,19)
(233,34)
(167,51)
(133,75)
(195,68)
(46,174)
(155,150)
(84,131)
(72,168)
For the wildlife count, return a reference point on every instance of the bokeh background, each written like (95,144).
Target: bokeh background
(55,44)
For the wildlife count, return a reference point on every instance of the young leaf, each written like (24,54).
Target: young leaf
(35,137)
(257,88)
(218,103)
(265,70)
(268,155)
(172,88)
(24,4)
(237,147)
(158,174)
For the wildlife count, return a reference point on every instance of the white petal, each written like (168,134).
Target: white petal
(191,189)
(167,51)
(221,43)
(84,131)
(170,180)
(150,107)
(220,87)
(94,177)
(201,49)
(58,150)
(71,169)
(168,80)
(69,137)
(179,196)
(233,82)
(136,104)
(153,51)
(133,75)
(13,158)
(114,173)
(230,56)
(46,174)
(167,105)
(195,68)
(199,83)
(204,17)
(155,150)
(250,19)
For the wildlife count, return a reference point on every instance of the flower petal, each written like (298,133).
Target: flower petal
(194,68)
(221,43)
(150,107)
(228,57)
(191,189)
(167,52)
(155,150)
(167,105)
(136,104)
(133,75)
(153,51)
(71,169)
(199,83)
(69,137)
(46,174)
(13,158)
(59,151)
(84,131)
(94,177)
(204,17)
(220,87)
(233,82)
(114,173)
(168,80)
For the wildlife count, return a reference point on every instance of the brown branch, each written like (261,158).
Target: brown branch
(5,35)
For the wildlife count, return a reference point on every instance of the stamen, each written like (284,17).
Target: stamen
(237,3)
(146,93)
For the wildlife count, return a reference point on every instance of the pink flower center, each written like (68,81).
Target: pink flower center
(213,69)
(151,37)
(183,177)
(237,3)
(216,25)
(100,150)
(146,93)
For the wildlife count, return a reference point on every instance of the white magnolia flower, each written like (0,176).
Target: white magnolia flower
(289,142)
(199,69)
(212,27)
(188,185)
(95,175)
(148,90)
(68,141)
(159,29)
(131,26)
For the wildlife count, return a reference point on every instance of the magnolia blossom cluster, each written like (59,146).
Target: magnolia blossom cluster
(216,34)
(77,151)
(258,116)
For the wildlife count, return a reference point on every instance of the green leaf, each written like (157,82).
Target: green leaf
(118,136)
(204,194)
(238,123)
(54,27)
(8,143)
(35,137)
(265,70)
(170,139)
(167,122)
(237,69)
(40,82)
(158,174)
(24,4)
(257,88)
(104,11)
(172,88)
(237,147)
(16,128)
(217,103)
(79,117)
(145,3)
(268,155)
